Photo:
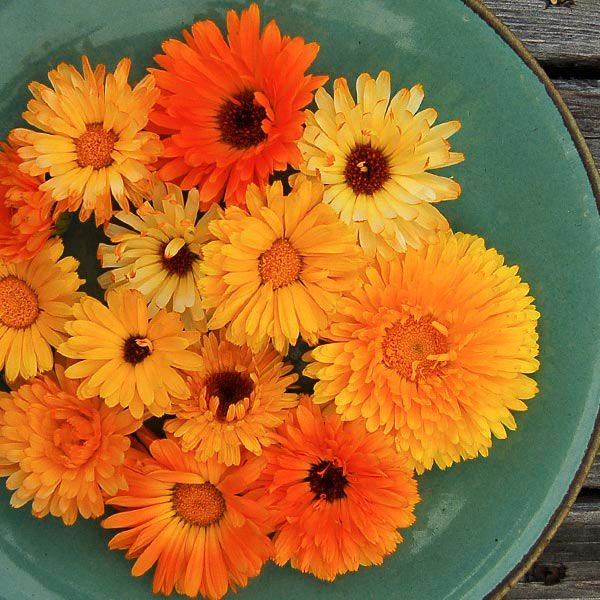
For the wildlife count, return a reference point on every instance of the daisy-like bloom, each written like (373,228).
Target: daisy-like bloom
(159,252)
(36,299)
(60,452)
(238,399)
(124,357)
(435,348)
(232,111)
(339,493)
(374,156)
(91,142)
(197,521)
(25,220)
(278,270)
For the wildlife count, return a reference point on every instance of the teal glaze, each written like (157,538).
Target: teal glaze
(525,190)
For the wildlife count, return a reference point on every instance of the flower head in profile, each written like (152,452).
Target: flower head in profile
(126,358)
(158,252)
(339,494)
(36,299)
(436,348)
(91,142)
(232,110)
(238,399)
(277,271)
(374,155)
(59,452)
(25,220)
(198,522)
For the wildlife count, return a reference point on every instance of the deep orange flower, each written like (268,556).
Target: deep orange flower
(339,493)
(60,452)
(232,111)
(25,220)
(197,521)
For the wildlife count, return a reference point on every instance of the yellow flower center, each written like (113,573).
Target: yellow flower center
(367,169)
(19,306)
(410,347)
(280,264)
(240,121)
(94,147)
(199,504)
(229,387)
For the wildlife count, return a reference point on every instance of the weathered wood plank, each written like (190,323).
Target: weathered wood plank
(593,479)
(557,35)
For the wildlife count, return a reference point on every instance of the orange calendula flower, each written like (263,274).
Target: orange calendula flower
(277,271)
(36,299)
(196,521)
(339,494)
(91,142)
(25,220)
(435,348)
(59,452)
(238,399)
(232,110)
(126,358)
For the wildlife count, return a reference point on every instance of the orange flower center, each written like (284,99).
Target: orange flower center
(229,387)
(136,350)
(280,264)
(367,169)
(94,147)
(19,306)
(181,263)
(410,347)
(240,121)
(199,504)
(327,481)
(77,436)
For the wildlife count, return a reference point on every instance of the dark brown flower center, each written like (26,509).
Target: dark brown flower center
(94,147)
(327,481)
(367,169)
(181,263)
(136,350)
(229,387)
(240,121)
(200,504)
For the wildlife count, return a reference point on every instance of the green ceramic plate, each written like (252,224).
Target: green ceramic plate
(525,189)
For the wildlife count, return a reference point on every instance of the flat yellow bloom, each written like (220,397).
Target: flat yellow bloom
(127,359)
(36,299)
(374,155)
(277,271)
(238,400)
(159,252)
(435,349)
(91,142)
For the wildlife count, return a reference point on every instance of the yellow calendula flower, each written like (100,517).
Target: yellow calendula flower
(374,155)
(126,358)
(91,142)
(159,252)
(436,348)
(36,299)
(238,400)
(277,271)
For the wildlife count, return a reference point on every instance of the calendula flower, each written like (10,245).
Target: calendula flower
(124,357)
(435,349)
(159,252)
(195,520)
(232,111)
(36,299)
(59,452)
(277,271)
(339,494)
(374,156)
(238,399)
(91,142)
(25,220)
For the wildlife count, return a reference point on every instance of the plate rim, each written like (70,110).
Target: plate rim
(564,507)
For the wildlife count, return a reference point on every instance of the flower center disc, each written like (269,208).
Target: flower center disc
(229,387)
(407,345)
(240,121)
(18,303)
(367,169)
(95,146)
(280,264)
(199,504)
(328,481)
(181,263)
(136,350)
(77,436)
